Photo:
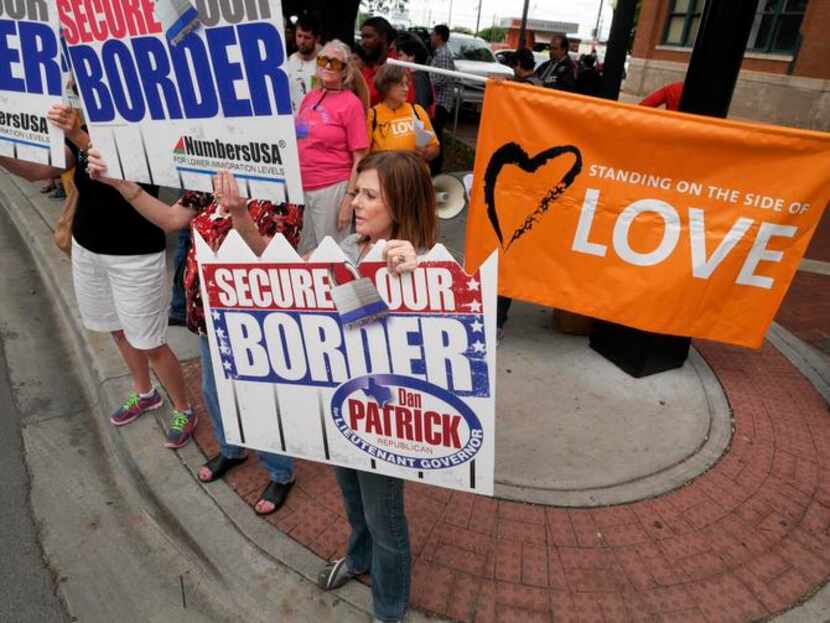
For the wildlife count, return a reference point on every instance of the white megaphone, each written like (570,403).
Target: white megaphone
(450,196)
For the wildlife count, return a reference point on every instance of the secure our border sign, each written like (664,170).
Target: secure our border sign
(411,394)
(174,91)
(31,80)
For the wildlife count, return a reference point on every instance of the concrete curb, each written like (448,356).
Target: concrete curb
(218,532)
(809,361)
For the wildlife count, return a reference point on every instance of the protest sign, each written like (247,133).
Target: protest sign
(661,221)
(411,394)
(30,82)
(174,91)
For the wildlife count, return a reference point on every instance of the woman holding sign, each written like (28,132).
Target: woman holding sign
(118,270)
(213,217)
(332,139)
(395,201)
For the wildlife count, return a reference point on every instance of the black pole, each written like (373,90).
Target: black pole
(615,52)
(717,56)
(710,83)
(523,28)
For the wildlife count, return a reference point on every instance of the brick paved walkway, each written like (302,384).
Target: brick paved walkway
(806,309)
(747,539)
(819,248)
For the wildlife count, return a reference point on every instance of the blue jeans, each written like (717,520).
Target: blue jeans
(279,466)
(379,542)
(178,304)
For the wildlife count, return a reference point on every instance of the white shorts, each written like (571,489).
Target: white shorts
(123,292)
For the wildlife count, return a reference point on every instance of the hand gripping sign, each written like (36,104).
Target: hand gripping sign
(408,392)
(175,90)
(30,82)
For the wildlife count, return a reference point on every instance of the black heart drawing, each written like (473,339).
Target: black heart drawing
(512,153)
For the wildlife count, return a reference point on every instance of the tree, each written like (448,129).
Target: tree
(493,34)
(462,30)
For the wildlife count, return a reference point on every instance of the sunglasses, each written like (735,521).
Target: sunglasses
(335,63)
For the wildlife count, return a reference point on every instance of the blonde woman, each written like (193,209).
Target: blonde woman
(332,140)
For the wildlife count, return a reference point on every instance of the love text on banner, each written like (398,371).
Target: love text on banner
(661,221)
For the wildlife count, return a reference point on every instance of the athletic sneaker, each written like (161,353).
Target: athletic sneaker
(134,406)
(182,425)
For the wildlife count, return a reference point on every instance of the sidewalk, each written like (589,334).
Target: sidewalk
(746,539)
(743,541)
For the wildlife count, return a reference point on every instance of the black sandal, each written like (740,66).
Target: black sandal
(220,465)
(276,493)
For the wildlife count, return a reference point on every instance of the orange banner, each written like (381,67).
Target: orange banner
(662,221)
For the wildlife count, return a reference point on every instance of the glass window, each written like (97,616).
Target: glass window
(683,22)
(777,25)
(470,49)
(674,33)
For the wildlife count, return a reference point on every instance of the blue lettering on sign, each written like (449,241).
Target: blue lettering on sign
(117,56)
(38,53)
(205,76)
(199,100)
(154,70)
(272,347)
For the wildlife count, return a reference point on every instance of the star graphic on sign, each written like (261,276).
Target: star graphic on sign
(227,365)
(475,306)
(477,326)
(472,284)
(216,315)
(224,349)
(220,334)
(478,347)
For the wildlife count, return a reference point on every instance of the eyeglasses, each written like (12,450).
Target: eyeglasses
(335,63)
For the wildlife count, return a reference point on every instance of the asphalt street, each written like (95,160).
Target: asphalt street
(26,586)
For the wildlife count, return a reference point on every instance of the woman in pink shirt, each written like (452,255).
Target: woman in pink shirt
(332,140)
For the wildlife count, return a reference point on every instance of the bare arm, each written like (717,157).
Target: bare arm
(168,218)
(244,224)
(429,152)
(227,193)
(33,171)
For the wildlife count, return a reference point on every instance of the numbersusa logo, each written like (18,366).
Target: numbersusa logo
(255,152)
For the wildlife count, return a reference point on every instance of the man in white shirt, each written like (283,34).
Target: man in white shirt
(301,66)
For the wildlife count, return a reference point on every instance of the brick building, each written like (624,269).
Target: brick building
(785,76)
(538,31)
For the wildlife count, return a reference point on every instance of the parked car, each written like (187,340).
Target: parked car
(423,34)
(472,55)
(503,55)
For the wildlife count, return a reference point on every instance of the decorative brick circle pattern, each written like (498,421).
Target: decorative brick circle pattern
(745,540)
(806,309)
